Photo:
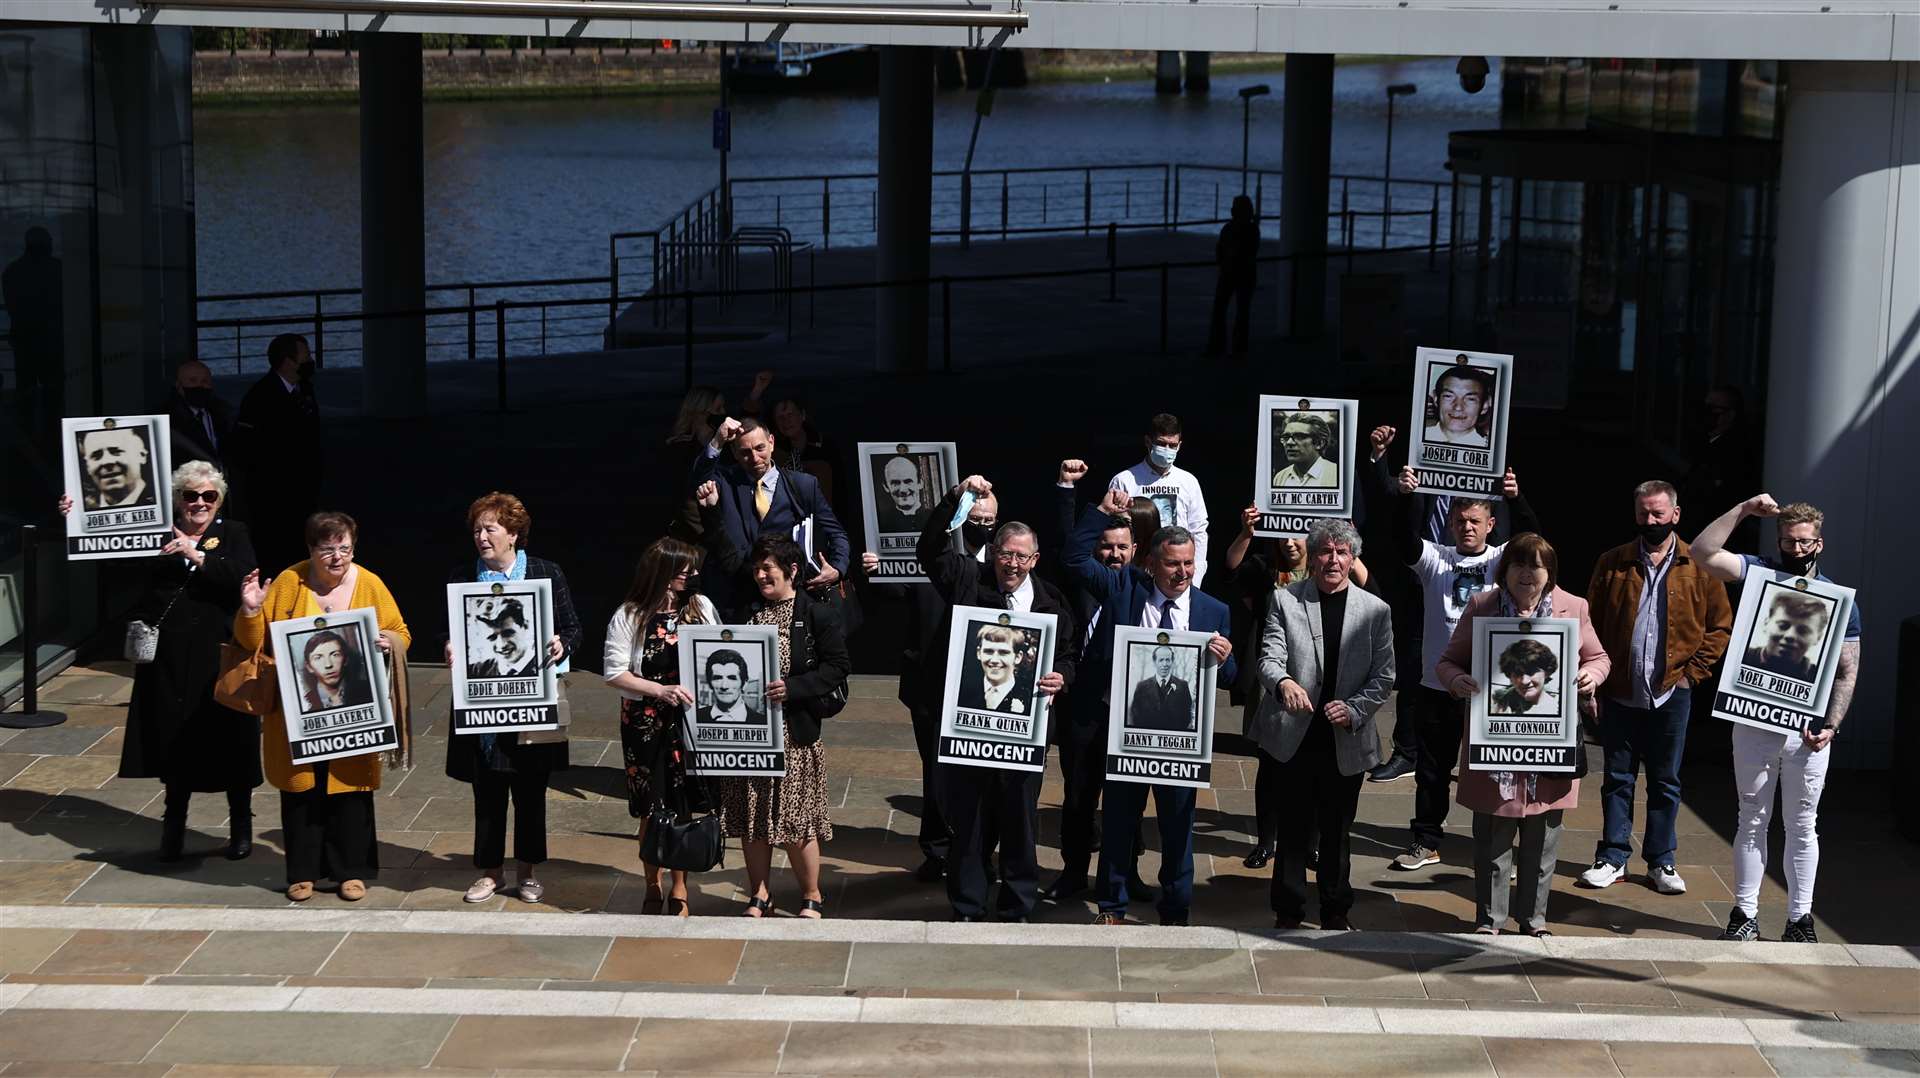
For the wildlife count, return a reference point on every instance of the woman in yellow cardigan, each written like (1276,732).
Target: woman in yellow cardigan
(326,809)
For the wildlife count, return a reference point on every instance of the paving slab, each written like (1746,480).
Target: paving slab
(816,1048)
(677,961)
(1253,1054)
(537,1043)
(113,951)
(1140,1053)
(1066,968)
(263,953)
(82,1036)
(406,954)
(367,1040)
(676,1045)
(1167,969)
(1520,1057)
(786,963)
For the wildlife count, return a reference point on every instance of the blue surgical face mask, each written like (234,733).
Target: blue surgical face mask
(1162,456)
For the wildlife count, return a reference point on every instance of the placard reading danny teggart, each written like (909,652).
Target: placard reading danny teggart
(1459,425)
(1160,725)
(1779,670)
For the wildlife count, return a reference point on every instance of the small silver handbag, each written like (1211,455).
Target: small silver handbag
(143,640)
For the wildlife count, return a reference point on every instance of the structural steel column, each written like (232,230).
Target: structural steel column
(1199,72)
(1166,72)
(393,237)
(1307,162)
(1843,384)
(904,206)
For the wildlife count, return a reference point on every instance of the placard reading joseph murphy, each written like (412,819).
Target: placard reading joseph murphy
(1779,670)
(1526,716)
(900,483)
(1458,442)
(732,728)
(119,474)
(1303,468)
(1160,727)
(993,714)
(333,685)
(501,677)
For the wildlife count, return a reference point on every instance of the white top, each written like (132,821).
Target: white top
(1178,490)
(625,645)
(1320,474)
(1150,613)
(1448,579)
(1022,597)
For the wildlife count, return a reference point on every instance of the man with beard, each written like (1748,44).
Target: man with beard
(335,677)
(507,635)
(278,452)
(1162,701)
(1528,664)
(1462,403)
(902,512)
(727,681)
(1303,439)
(115,462)
(1766,760)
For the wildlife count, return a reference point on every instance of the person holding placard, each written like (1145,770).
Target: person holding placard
(1765,761)
(983,804)
(326,808)
(1172,489)
(758,497)
(1526,804)
(508,766)
(641,661)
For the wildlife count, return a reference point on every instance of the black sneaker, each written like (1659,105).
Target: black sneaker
(1800,931)
(1742,928)
(1399,767)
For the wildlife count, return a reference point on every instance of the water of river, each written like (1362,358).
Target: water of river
(522,189)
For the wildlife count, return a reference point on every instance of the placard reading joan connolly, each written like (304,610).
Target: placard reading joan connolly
(118,472)
(900,483)
(333,685)
(994,715)
(501,677)
(1779,670)
(1526,716)
(732,727)
(1160,728)
(1303,468)
(1459,425)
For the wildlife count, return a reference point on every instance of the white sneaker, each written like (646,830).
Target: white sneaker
(1601,874)
(1667,881)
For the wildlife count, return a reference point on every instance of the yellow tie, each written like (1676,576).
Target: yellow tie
(762,501)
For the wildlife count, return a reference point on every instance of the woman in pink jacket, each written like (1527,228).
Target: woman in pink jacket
(1528,804)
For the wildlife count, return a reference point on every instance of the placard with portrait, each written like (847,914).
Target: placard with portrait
(1457,442)
(900,483)
(333,685)
(118,471)
(733,727)
(1526,714)
(994,714)
(1304,463)
(502,679)
(1779,669)
(1160,726)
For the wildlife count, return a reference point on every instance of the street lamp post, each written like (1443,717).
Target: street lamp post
(1247,94)
(1398,89)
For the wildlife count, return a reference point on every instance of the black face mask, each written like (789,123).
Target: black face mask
(976,535)
(1798,564)
(198,396)
(1655,535)
(306,371)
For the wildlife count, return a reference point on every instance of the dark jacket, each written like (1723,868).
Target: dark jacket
(190,434)
(464,752)
(796,497)
(1699,620)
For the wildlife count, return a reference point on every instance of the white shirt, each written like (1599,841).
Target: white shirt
(1150,614)
(1022,597)
(291,387)
(995,693)
(736,713)
(626,645)
(1321,474)
(770,481)
(1448,579)
(1178,489)
(1439,435)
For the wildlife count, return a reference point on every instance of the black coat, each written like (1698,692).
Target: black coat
(189,438)
(464,756)
(175,731)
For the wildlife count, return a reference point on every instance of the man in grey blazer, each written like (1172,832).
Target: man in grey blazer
(1327,666)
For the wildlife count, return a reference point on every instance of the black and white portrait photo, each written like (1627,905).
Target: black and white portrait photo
(1524,715)
(1161,707)
(1460,404)
(1789,635)
(1163,696)
(116,467)
(1526,678)
(993,713)
(902,482)
(503,639)
(1309,449)
(1302,445)
(332,670)
(1459,442)
(1780,670)
(999,676)
(732,689)
(497,633)
(117,471)
(905,488)
(333,686)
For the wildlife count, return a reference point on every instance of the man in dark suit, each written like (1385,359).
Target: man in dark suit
(727,680)
(983,804)
(757,497)
(1162,702)
(1158,593)
(202,422)
(277,450)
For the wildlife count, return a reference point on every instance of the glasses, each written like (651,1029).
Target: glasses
(1010,558)
(1800,544)
(333,551)
(1296,437)
(188,497)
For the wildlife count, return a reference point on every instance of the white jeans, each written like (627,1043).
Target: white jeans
(1764,761)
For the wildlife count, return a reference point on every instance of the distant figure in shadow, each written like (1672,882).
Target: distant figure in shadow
(1237,252)
(30,286)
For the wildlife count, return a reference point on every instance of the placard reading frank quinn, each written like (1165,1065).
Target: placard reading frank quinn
(1526,716)
(732,727)
(118,473)
(1303,469)
(900,483)
(1459,426)
(1160,728)
(993,714)
(501,677)
(1780,665)
(333,685)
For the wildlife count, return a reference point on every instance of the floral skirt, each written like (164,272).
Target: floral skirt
(783,811)
(647,733)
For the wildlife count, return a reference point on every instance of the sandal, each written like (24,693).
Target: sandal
(758,907)
(655,900)
(300,892)
(677,907)
(812,909)
(353,891)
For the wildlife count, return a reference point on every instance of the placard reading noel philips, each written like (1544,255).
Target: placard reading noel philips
(993,714)
(1303,470)
(1785,651)
(900,483)
(1459,426)
(1526,716)
(333,685)
(732,728)
(119,475)
(1161,724)
(501,677)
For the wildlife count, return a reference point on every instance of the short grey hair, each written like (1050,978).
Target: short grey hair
(1171,535)
(1333,531)
(1656,486)
(1013,529)
(198,474)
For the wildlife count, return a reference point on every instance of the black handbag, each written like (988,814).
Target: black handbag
(681,841)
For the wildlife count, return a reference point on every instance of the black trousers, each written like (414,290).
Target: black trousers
(936,837)
(1313,789)
(1083,767)
(239,804)
(1438,716)
(989,806)
(329,836)
(1239,292)
(1267,799)
(528,788)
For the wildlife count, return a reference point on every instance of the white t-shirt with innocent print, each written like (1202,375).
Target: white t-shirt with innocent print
(1448,579)
(1177,493)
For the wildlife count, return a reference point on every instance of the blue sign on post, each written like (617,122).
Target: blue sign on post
(723,130)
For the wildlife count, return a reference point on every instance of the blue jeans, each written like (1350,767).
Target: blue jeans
(1632,737)
(1122,805)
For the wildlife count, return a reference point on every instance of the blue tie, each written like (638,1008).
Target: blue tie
(1166,614)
